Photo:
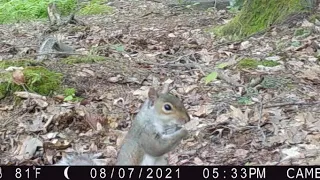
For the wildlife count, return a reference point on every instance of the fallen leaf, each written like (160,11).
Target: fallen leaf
(290,153)
(30,146)
(204,110)
(211,77)
(18,77)
(240,117)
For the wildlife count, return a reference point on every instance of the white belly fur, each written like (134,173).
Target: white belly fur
(151,160)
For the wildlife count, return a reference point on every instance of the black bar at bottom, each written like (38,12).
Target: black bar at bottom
(158,172)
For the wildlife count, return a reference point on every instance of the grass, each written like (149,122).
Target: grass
(258,15)
(23,10)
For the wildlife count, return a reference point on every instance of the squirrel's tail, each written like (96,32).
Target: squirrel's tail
(77,160)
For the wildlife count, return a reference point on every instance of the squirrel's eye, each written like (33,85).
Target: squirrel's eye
(167,107)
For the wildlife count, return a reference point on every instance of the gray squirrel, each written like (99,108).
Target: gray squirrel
(52,47)
(156,130)
(77,159)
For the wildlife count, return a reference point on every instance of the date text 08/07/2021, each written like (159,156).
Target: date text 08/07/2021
(159,172)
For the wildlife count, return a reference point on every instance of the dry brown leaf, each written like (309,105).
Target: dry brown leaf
(29,147)
(33,123)
(308,119)
(310,73)
(241,118)
(204,110)
(291,153)
(222,118)
(6,108)
(142,92)
(241,153)
(193,124)
(90,72)
(29,95)
(245,45)
(198,161)
(190,88)
(18,77)
(41,103)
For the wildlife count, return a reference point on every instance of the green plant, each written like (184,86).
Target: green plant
(249,63)
(258,15)
(118,47)
(22,10)
(214,75)
(41,80)
(17,10)
(235,5)
(96,7)
(70,94)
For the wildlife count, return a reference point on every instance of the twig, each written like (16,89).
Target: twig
(11,119)
(259,122)
(149,14)
(291,104)
(179,58)
(167,64)
(48,123)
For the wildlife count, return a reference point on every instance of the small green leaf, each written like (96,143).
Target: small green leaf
(245,100)
(70,92)
(118,47)
(222,65)
(211,77)
(295,43)
(68,98)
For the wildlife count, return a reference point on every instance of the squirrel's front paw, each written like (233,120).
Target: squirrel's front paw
(184,132)
(171,129)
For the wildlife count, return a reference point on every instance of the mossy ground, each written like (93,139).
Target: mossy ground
(258,15)
(41,80)
(95,7)
(17,10)
(38,79)
(253,63)
(83,59)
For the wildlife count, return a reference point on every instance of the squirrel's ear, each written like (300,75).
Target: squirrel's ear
(152,95)
(165,88)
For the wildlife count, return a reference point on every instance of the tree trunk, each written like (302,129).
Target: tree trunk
(258,15)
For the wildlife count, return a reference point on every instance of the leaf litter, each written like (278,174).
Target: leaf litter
(145,43)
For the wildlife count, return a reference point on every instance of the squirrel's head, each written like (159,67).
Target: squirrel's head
(169,108)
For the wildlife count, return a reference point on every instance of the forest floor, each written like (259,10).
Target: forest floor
(248,116)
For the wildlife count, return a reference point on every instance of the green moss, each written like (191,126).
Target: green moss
(41,80)
(248,63)
(17,10)
(270,82)
(18,63)
(38,79)
(302,33)
(96,7)
(70,95)
(280,44)
(314,17)
(3,89)
(269,63)
(69,92)
(83,59)
(257,16)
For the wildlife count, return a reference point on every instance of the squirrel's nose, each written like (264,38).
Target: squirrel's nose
(188,118)
(185,119)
